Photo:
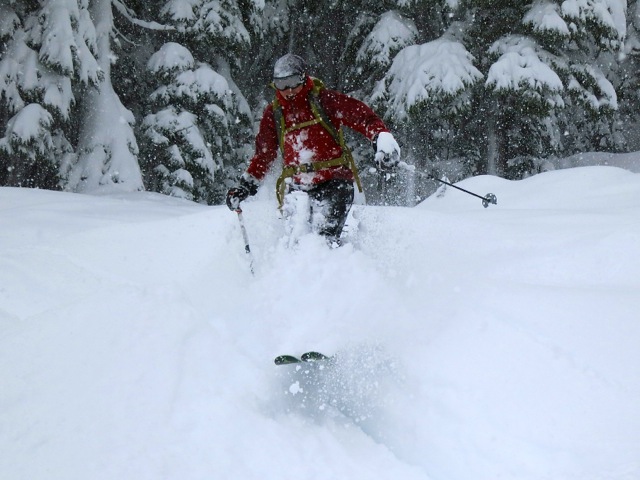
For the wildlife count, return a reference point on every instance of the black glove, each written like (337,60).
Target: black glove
(235,195)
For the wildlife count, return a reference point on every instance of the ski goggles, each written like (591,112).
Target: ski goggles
(286,83)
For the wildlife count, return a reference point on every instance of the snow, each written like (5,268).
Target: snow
(544,16)
(473,343)
(193,84)
(607,90)
(223,20)
(391,33)
(59,95)
(628,161)
(55,31)
(9,21)
(179,10)
(29,124)
(64,36)
(18,71)
(171,56)
(608,13)
(520,66)
(421,72)
(203,80)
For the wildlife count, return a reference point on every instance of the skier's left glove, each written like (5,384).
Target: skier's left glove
(387,151)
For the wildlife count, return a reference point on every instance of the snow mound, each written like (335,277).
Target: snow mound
(470,342)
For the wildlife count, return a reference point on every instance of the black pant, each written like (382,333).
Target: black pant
(332,199)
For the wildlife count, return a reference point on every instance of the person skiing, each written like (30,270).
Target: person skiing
(305,122)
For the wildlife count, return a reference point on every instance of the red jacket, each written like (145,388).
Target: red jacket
(313,143)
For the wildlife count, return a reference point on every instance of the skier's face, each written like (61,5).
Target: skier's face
(290,93)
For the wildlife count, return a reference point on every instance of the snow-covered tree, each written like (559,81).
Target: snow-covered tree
(391,33)
(467,86)
(542,64)
(598,30)
(216,23)
(628,80)
(49,53)
(199,123)
(436,77)
(576,40)
(191,129)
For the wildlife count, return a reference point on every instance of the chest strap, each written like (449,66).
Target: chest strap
(298,126)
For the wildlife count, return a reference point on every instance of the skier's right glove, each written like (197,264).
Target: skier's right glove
(246,187)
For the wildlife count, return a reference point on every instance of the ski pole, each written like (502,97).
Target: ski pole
(486,200)
(243,229)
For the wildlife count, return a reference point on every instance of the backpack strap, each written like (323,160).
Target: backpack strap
(278,117)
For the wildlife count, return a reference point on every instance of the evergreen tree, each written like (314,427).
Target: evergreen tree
(467,86)
(388,33)
(48,57)
(588,69)
(628,85)
(196,111)
(197,133)
(541,66)
(573,41)
(427,91)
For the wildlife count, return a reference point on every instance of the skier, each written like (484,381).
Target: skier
(305,122)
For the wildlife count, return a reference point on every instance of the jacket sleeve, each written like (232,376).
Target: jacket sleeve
(266,146)
(350,112)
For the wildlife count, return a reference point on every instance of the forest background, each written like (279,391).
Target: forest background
(99,95)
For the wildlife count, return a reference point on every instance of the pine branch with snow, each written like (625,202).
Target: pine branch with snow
(29,142)
(215,23)
(605,19)
(182,164)
(524,69)
(437,72)
(390,34)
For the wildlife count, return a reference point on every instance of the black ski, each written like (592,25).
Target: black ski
(313,357)
(286,360)
(305,357)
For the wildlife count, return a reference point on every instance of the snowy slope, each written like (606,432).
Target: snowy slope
(473,343)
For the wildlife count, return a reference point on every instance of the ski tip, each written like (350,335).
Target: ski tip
(286,360)
(313,357)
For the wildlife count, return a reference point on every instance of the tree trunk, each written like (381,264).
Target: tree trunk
(107,145)
(492,145)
